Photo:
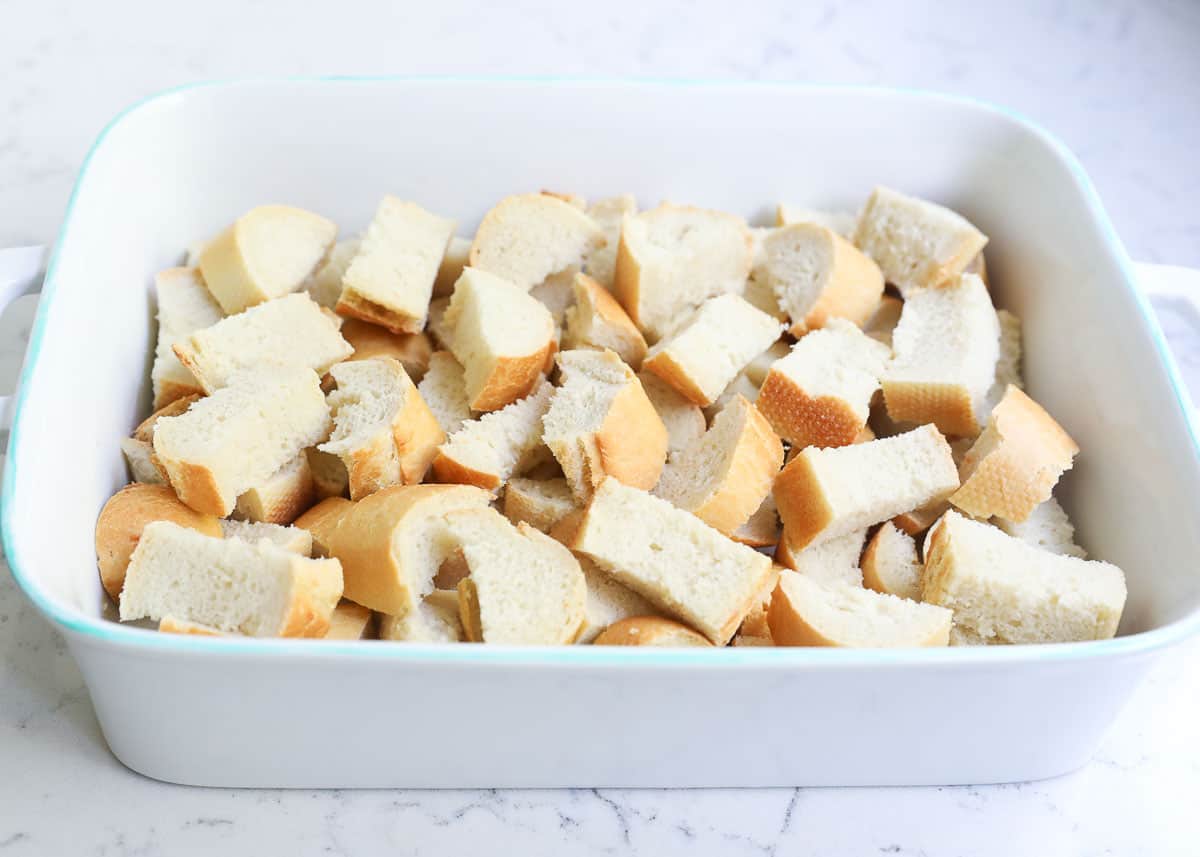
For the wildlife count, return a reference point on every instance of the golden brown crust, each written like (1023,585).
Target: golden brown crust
(919,520)
(665,366)
(279,500)
(197,486)
(417,435)
(172,390)
(321,520)
(756,459)
(468,611)
(354,305)
(649,631)
(318,587)
(627,275)
(450,471)
(805,420)
(852,291)
(608,310)
(125,515)
(802,505)
(947,406)
(145,430)
(755,622)
(632,440)
(412,350)
(175,625)
(349,621)
(513,378)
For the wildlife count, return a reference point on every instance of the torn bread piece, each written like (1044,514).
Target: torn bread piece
(1048,528)
(841,222)
(684,420)
(706,352)
(825,493)
(526,238)
(834,561)
(541,503)
(685,568)
(251,588)
(820,393)
(444,389)
(805,612)
(289,538)
(383,431)
(390,281)
(607,601)
(601,424)
(268,252)
(452,266)
(890,563)
(608,214)
(650,631)
(325,285)
(597,321)
(413,350)
(281,497)
(1003,590)
(291,330)
(945,351)
(502,336)
(917,244)
(184,306)
(1016,462)
(673,258)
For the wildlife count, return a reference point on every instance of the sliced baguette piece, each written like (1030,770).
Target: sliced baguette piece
(756,370)
(805,612)
(252,588)
(1048,528)
(600,423)
(321,520)
(762,528)
(825,493)
(841,222)
(674,560)
(1008,367)
(672,258)
(607,601)
(444,389)
(502,336)
(241,435)
(457,252)
(390,281)
(1016,462)
(526,238)
(291,330)
(268,252)
(683,420)
(945,351)
(1003,590)
(281,497)
(524,587)
(184,305)
(882,323)
(921,519)
(413,350)
(145,429)
(650,631)
(325,285)
(541,503)
(706,352)
(487,451)
(890,563)
(725,475)
(817,275)
(917,244)
(175,625)
(349,621)
(383,431)
(820,393)
(608,214)
(835,561)
(433,621)
(597,321)
(755,623)
(329,476)
(289,538)
(123,518)
(139,456)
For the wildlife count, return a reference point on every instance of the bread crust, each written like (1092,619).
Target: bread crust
(871,565)
(807,420)
(317,589)
(449,470)
(631,443)
(852,288)
(362,308)
(948,406)
(175,625)
(650,631)
(664,365)
(279,502)
(802,505)
(368,340)
(321,520)
(630,344)
(513,378)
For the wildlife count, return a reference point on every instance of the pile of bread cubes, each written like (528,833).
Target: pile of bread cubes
(594,424)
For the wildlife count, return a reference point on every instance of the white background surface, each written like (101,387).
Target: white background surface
(1117,81)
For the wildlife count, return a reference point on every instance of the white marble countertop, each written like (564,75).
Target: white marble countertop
(1116,81)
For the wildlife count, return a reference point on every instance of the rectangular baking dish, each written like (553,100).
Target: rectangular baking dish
(240,712)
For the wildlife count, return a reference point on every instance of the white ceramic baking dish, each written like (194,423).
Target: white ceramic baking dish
(296,713)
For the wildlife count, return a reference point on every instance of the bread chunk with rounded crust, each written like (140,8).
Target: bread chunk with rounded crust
(289,538)
(281,497)
(607,601)
(608,214)
(444,389)
(890,563)
(526,238)
(684,420)
(650,631)
(597,321)
(541,503)
(185,305)
(413,350)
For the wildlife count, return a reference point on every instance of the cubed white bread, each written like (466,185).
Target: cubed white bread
(281,497)
(945,351)
(597,321)
(526,238)
(705,353)
(601,424)
(916,243)
(890,563)
(755,623)
(413,350)
(756,370)
(835,561)
(502,336)
(921,519)
(650,631)
(820,393)
(383,431)
(268,252)
(740,386)
(349,621)
(541,503)
(139,455)
(325,285)
(1048,528)
(241,435)
(524,587)
(608,214)
(390,281)
(175,625)
(1003,590)
(805,612)
(123,518)
(607,601)
(291,330)
(391,543)
(762,528)
(452,266)
(444,389)
(329,476)
(841,222)
(434,620)
(486,452)
(292,539)
(725,475)
(675,561)
(825,493)
(184,306)
(683,420)
(882,323)
(1016,462)
(817,275)
(1008,367)
(442,333)
(252,588)
(672,258)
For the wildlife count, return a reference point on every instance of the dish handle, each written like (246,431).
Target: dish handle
(1174,293)
(20,274)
